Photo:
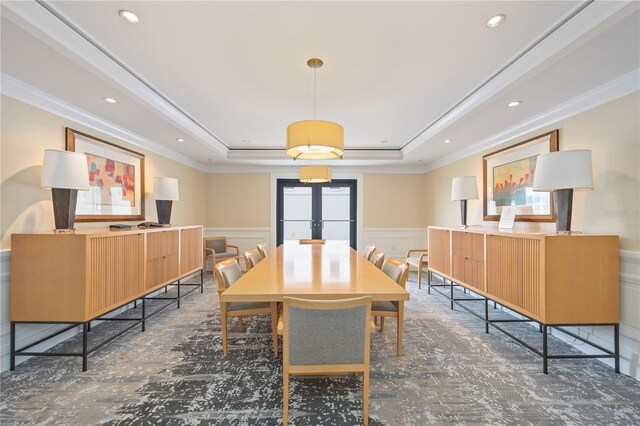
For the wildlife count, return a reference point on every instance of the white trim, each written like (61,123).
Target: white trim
(352,154)
(395,242)
(359,177)
(14,88)
(578,26)
(608,92)
(378,169)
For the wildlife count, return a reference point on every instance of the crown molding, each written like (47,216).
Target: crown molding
(279,154)
(49,25)
(608,92)
(572,28)
(23,92)
(336,171)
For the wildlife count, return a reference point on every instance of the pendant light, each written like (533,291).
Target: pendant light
(315,139)
(315,174)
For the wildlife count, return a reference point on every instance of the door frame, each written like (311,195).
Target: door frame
(316,201)
(358,177)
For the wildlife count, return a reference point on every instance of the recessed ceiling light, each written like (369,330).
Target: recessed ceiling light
(384,141)
(514,104)
(447,141)
(129,16)
(496,20)
(180,139)
(246,141)
(110,100)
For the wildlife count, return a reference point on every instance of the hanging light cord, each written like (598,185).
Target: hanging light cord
(315,88)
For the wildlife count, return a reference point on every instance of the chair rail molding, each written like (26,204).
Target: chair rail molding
(244,238)
(395,242)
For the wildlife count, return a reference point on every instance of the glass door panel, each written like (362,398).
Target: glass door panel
(336,213)
(297,213)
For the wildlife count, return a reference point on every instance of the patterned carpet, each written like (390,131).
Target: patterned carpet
(451,373)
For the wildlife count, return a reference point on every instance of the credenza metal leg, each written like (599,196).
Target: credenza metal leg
(201,281)
(84,346)
(486,315)
(88,326)
(451,282)
(616,346)
(144,313)
(540,324)
(135,303)
(178,294)
(544,349)
(495,305)
(429,276)
(13,347)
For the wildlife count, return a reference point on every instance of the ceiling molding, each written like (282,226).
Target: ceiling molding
(608,92)
(336,171)
(279,154)
(16,89)
(47,24)
(587,18)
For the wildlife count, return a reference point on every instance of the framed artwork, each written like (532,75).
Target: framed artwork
(508,180)
(116,180)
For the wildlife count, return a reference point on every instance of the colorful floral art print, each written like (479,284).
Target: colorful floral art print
(112,182)
(511,181)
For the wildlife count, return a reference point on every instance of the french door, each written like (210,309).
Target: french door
(316,211)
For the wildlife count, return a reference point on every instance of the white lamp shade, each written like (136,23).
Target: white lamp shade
(464,188)
(65,170)
(166,188)
(563,170)
(315,174)
(315,140)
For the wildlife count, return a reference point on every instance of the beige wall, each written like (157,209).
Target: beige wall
(238,200)
(25,207)
(612,133)
(394,201)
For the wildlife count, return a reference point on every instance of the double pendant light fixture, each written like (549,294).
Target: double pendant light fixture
(315,139)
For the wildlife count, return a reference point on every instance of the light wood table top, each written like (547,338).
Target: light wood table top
(314,271)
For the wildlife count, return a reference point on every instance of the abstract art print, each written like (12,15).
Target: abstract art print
(508,180)
(116,180)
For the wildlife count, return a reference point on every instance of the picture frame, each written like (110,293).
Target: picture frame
(116,179)
(507,177)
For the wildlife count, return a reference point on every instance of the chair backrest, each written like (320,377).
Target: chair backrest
(377,259)
(396,270)
(251,258)
(227,272)
(263,249)
(368,251)
(218,244)
(311,242)
(326,333)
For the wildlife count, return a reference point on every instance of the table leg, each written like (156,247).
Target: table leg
(274,327)
(400,325)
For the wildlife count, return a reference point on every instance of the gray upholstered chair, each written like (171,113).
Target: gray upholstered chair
(263,249)
(368,251)
(251,258)
(307,241)
(419,260)
(217,249)
(326,337)
(377,259)
(228,272)
(398,272)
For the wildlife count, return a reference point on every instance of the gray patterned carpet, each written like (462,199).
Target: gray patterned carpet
(451,373)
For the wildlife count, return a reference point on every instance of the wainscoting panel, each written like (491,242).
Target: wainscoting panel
(395,242)
(244,238)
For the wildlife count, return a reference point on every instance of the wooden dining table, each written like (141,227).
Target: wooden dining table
(316,271)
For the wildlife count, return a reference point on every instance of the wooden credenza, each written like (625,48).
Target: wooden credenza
(79,276)
(552,278)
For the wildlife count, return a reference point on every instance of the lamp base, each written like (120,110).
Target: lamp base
(64,208)
(563,200)
(463,213)
(164,211)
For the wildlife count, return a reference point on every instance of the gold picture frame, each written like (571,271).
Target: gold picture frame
(116,176)
(507,179)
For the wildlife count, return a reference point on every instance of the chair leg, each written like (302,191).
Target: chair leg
(400,326)
(381,324)
(274,327)
(285,398)
(419,277)
(223,321)
(240,327)
(375,321)
(365,398)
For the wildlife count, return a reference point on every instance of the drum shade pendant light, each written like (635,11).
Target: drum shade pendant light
(315,174)
(315,139)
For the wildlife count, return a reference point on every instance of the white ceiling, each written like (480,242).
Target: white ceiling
(228,77)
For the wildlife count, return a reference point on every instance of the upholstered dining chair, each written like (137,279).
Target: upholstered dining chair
(368,251)
(419,260)
(326,337)
(263,249)
(228,272)
(311,241)
(377,259)
(398,272)
(217,249)
(251,258)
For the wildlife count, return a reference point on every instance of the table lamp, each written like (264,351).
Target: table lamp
(166,192)
(464,188)
(66,173)
(561,172)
